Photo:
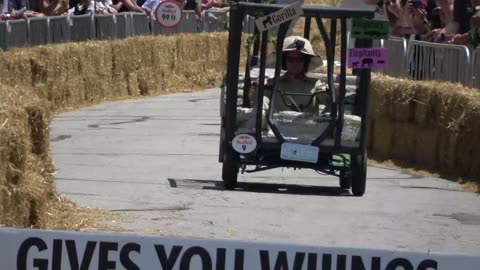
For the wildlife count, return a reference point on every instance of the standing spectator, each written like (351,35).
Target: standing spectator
(441,22)
(53,7)
(194,5)
(464,10)
(395,12)
(475,20)
(101,7)
(15,9)
(128,5)
(417,16)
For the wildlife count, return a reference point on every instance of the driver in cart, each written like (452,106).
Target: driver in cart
(296,90)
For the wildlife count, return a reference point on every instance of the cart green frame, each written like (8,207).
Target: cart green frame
(267,154)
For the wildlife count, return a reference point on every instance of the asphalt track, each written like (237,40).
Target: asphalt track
(154,160)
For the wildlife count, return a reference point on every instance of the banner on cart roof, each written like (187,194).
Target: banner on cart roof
(56,250)
(280,16)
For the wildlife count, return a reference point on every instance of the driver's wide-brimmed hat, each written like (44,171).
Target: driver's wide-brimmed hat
(298,43)
(316,60)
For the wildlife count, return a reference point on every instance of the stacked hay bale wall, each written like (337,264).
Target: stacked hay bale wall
(434,125)
(430,125)
(37,82)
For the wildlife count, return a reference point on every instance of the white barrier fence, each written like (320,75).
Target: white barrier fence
(397,56)
(476,68)
(46,30)
(421,60)
(56,250)
(436,61)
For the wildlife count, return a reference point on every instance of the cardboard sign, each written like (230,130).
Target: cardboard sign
(369,29)
(168,13)
(279,17)
(367,58)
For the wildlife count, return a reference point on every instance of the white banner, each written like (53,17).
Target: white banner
(56,250)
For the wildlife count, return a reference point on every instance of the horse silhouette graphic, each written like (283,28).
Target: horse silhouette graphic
(267,20)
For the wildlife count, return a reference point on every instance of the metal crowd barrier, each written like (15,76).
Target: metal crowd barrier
(188,24)
(476,68)
(248,24)
(397,55)
(141,24)
(38,32)
(435,61)
(105,27)
(17,33)
(59,29)
(3,35)
(214,21)
(124,25)
(82,28)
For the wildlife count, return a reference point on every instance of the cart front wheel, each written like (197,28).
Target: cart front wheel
(345,180)
(359,174)
(229,170)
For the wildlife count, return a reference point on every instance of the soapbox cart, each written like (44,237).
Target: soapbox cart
(255,138)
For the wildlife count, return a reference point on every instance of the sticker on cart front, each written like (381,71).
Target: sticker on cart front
(244,143)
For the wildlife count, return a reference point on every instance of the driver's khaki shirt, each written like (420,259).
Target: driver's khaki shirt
(308,85)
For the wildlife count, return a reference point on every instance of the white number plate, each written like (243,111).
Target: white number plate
(299,152)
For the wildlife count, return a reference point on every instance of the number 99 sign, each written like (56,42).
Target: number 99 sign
(168,13)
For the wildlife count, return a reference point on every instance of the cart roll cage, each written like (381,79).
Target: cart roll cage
(237,12)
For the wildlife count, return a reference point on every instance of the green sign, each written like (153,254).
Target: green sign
(369,29)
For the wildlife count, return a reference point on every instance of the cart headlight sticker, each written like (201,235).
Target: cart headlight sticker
(244,143)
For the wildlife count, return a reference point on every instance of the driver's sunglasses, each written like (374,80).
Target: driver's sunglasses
(297,59)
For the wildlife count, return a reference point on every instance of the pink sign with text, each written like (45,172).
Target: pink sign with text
(367,58)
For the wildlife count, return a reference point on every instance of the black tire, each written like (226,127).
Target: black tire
(230,167)
(345,180)
(229,174)
(359,174)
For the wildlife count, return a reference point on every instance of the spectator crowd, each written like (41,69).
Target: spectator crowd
(442,21)
(21,9)
(445,21)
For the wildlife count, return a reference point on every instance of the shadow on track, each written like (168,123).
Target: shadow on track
(259,187)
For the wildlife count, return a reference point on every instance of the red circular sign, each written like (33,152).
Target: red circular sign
(168,13)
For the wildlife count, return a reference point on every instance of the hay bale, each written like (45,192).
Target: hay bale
(15,207)
(402,106)
(382,137)
(14,144)
(467,150)
(393,96)
(425,146)
(446,148)
(379,98)
(422,105)
(16,68)
(39,124)
(403,144)
(3,158)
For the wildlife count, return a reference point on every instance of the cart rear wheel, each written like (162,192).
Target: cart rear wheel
(230,167)
(229,174)
(359,174)
(345,180)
